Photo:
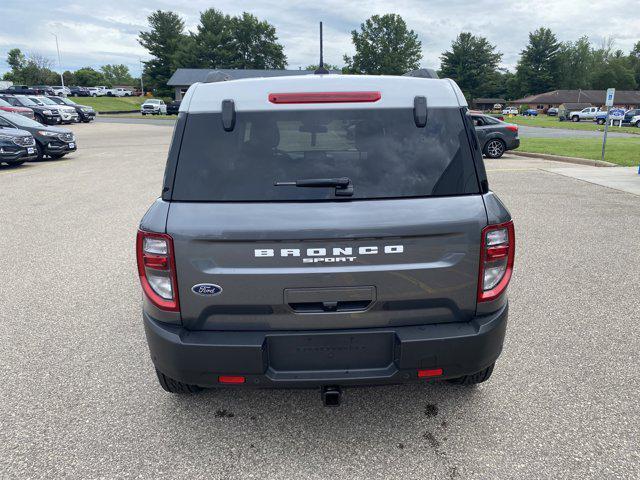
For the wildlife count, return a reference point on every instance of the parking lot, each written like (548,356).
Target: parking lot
(79,398)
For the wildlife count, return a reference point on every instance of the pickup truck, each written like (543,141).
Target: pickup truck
(100,91)
(588,113)
(23,90)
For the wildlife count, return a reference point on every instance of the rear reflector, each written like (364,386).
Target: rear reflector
(325,97)
(432,372)
(230,379)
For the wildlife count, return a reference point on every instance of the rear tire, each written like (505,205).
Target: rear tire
(173,386)
(474,378)
(638,124)
(495,148)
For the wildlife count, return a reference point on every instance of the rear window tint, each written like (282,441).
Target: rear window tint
(381,150)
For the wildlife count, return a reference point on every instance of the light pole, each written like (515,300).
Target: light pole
(59,62)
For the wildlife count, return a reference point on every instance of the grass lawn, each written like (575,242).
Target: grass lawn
(622,151)
(543,121)
(110,104)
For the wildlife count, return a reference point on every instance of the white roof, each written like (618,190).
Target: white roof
(252,94)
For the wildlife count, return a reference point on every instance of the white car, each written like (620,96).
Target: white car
(121,92)
(100,90)
(510,111)
(61,91)
(153,106)
(635,120)
(67,114)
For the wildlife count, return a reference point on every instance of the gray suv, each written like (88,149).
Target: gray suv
(324,231)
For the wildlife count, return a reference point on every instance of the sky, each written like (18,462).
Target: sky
(96,32)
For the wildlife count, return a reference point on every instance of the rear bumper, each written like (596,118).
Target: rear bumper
(300,358)
(513,143)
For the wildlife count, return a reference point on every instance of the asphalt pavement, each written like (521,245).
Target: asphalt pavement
(79,399)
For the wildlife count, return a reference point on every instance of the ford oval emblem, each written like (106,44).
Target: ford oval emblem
(207,289)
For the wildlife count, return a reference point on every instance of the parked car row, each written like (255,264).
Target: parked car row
(23,139)
(47,109)
(60,91)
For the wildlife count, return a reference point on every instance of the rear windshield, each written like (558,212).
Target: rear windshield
(381,151)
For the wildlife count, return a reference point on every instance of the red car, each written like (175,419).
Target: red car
(7,107)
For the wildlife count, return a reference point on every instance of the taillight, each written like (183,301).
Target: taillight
(325,97)
(496,260)
(157,269)
(513,128)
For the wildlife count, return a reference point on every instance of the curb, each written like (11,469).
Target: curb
(559,158)
(118,111)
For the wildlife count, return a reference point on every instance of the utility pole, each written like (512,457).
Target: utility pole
(59,62)
(141,73)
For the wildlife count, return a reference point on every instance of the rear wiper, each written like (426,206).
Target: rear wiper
(343,185)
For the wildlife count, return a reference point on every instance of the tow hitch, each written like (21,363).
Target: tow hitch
(331,396)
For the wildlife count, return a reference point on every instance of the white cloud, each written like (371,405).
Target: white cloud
(95,32)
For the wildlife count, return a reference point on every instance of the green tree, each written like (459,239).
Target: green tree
(634,61)
(537,70)
(575,64)
(615,72)
(17,61)
(384,46)
(472,62)
(116,75)
(163,44)
(255,44)
(88,77)
(210,45)
(328,66)
(37,71)
(69,78)
(222,41)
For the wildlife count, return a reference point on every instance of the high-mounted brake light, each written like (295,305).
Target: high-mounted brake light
(497,253)
(325,97)
(157,270)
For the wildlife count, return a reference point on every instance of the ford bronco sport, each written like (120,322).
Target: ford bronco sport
(324,231)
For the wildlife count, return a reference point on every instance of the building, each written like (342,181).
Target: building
(183,78)
(487,103)
(624,99)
